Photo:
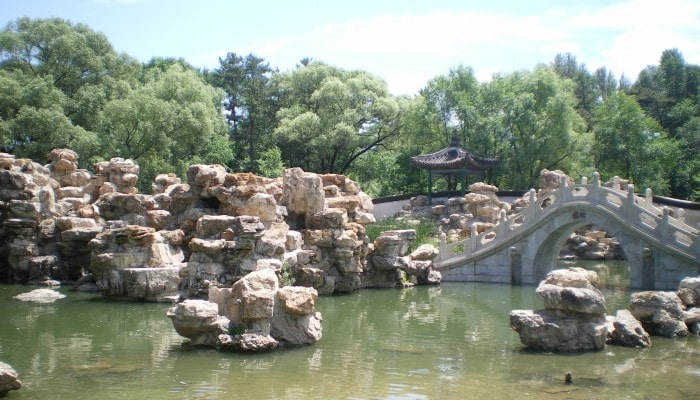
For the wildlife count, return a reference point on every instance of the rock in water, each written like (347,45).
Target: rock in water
(40,296)
(8,379)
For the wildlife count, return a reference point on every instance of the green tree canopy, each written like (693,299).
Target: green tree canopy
(329,117)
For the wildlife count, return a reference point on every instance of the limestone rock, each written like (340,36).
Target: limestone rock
(297,300)
(689,291)
(199,321)
(252,342)
(661,313)
(627,331)
(9,379)
(41,296)
(303,192)
(552,330)
(572,299)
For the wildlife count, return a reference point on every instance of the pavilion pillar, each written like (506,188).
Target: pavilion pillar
(430,187)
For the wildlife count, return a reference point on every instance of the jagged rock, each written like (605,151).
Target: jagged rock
(40,296)
(689,291)
(553,330)
(9,380)
(303,192)
(425,252)
(586,301)
(198,320)
(627,331)
(297,300)
(661,313)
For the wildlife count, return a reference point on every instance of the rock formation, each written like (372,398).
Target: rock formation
(8,379)
(669,314)
(255,314)
(61,223)
(573,318)
(391,265)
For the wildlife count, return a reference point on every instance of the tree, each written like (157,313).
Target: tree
(172,121)
(541,126)
(329,117)
(669,93)
(250,105)
(630,144)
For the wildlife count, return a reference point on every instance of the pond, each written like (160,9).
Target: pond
(447,342)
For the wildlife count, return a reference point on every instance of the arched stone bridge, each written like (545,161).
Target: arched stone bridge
(523,247)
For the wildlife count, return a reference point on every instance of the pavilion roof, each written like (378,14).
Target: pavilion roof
(454,157)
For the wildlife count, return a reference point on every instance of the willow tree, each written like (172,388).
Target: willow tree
(541,128)
(329,117)
(173,120)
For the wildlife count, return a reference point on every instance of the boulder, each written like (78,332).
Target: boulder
(627,331)
(303,192)
(9,379)
(199,321)
(689,291)
(552,330)
(661,313)
(571,299)
(41,296)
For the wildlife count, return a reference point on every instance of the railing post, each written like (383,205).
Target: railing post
(563,190)
(616,183)
(648,199)
(663,227)
(595,189)
(680,216)
(532,208)
(472,238)
(443,245)
(501,227)
(628,206)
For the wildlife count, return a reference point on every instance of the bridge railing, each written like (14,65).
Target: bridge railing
(637,211)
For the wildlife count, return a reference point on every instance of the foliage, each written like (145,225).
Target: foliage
(286,275)
(250,105)
(631,144)
(63,85)
(329,117)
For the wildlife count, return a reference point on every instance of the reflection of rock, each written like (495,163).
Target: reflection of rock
(573,318)
(8,379)
(40,296)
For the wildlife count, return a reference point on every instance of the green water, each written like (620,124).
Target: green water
(446,342)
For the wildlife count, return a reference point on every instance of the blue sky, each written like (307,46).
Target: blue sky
(404,42)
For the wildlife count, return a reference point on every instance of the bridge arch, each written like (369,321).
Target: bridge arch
(546,243)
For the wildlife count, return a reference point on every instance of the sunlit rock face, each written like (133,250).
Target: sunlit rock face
(573,318)
(62,223)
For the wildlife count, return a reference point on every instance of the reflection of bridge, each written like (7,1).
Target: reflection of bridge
(523,247)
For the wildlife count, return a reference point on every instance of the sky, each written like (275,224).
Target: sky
(404,42)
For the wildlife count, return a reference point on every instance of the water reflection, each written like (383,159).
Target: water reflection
(446,342)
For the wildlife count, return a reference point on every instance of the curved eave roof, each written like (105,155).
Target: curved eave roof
(453,158)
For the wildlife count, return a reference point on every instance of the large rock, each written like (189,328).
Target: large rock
(199,321)
(552,330)
(574,315)
(303,192)
(40,296)
(572,299)
(689,291)
(8,379)
(627,331)
(661,313)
